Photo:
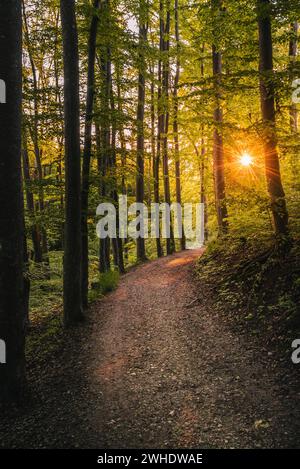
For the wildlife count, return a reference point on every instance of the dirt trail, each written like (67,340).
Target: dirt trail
(153,369)
(171,374)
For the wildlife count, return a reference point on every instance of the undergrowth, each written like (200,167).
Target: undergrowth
(255,286)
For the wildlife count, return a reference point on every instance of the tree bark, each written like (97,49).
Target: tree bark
(35,233)
(175,121)
(165,50)
(140,189)
(218,151)
(12,311)
(72,243)
(104,142)
(272,166)
(293,50)
(117,244)
(156,162)
(87,152)
(34,132)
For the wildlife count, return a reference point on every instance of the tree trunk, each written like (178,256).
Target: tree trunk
(104,136)
(117,244)
(293,50)
(140,242)
(34,132)
(203,197)
(87,152)
(12,311)
(72,248)
(218,152)
(175,121)
(123,151)
(273,175)
(101,144)
(202,185)
(156,162)
(165,32)
(35,233)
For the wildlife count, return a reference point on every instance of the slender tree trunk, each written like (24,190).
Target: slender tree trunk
(202,184)
(140,189)
(34,131)
(165,31)
(156,162)
(35,233)
(59,102)
(72,248)
(201,165)
(293,50)
(26,278)
(103,145)
(26,294)
(273,175)
(218,151)
(121,134)
(117,244)
(175,121)
(104,157)
(203,197)
(153,137)
(12,311)
(87,152)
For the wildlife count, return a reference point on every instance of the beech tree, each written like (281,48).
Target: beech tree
(272,166)
(12,292)
(143,27)
(72,242)
(88,149)
(218,150)
(175,120)
(165,23)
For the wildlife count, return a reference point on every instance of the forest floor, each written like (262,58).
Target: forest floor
(153,367)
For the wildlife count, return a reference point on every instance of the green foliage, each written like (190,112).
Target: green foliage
(107,283)
(201,25)
(251,283)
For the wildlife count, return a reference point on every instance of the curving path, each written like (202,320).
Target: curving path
(152,368)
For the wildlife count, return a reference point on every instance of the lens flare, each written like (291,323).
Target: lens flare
(246,159)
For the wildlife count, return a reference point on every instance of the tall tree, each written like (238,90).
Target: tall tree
(117,243)
(272,166)
(104,131)
(165,20)
(218,150)
(160,127)
(72,243)
(87,150)
(12,306)
(140,189)
(34,132)
(175,119)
